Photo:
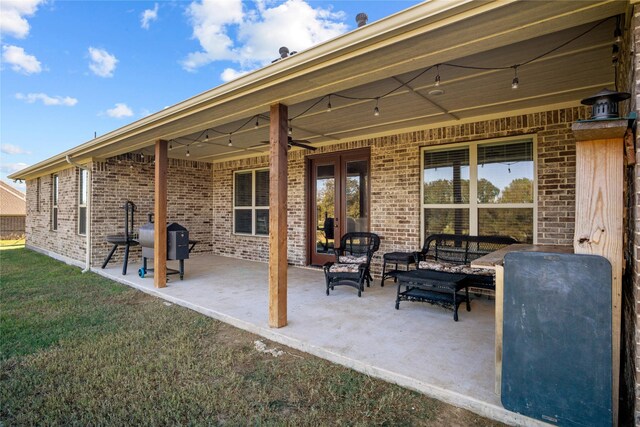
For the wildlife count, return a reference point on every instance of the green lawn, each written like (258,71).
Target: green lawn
(78,349)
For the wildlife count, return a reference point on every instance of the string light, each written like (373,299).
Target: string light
(230,144)
(617,34)
(515,82)
(188,154)
(170,146)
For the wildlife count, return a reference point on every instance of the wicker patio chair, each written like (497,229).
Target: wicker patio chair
(353,260)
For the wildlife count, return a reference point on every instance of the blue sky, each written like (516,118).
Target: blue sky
(70,69)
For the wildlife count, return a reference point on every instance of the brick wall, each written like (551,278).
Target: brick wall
(65,240)
(200,194)
(395,184)
(632,299)
(131,177)
(116,180)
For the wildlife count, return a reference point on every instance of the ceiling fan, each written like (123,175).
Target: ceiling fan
(302,143)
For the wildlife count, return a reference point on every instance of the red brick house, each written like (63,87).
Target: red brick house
(487,91)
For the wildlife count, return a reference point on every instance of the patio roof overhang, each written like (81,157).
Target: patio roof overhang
(379,57)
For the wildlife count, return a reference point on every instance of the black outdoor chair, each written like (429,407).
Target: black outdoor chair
(353,259)
(126,239)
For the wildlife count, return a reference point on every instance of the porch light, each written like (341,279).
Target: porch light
(230,144)
(188,152)
(437,82)
(376,110)
(604,104)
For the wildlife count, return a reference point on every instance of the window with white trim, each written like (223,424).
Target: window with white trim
(54,201)
(82,201)
(251,202)
(480,188)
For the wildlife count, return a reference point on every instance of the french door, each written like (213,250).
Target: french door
(339,201)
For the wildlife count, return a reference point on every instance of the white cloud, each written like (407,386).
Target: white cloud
(119,111)
(10,168)
(230,74)
(260,33)
(47,100)
(12,16)
(148,16)
(13,149)
(103,63)
(20,61)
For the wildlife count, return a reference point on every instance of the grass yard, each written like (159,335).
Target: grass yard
(78,349)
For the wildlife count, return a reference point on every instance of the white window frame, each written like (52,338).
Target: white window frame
(85,173)
(253,206)
(473,204)
(55,195)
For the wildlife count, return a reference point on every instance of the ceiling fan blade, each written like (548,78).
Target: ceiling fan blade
(302,144)
(297,143)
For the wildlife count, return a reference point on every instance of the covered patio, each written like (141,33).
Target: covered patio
(419,346)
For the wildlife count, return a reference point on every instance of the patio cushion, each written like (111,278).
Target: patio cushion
(455,268)
(353,259)
(344,268)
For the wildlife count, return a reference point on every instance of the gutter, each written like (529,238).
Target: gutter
(88,236)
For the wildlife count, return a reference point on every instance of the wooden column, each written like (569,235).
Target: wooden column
(599,209)
(160,217)
(278,139)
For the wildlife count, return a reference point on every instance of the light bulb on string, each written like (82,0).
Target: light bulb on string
(230,144)
(329,105)
(437,80)
(257,123)
(290,129)
(206,136)
(376,110)
(515,82)
(188,154)
(617,34)
(170,146)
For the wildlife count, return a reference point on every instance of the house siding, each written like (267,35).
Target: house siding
(65,240)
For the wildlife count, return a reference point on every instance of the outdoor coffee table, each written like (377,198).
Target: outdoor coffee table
(434,287)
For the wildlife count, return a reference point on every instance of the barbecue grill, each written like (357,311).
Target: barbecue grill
(177,246)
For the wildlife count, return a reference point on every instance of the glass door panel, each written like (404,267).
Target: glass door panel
(356,195)
(325,191)
(340,201)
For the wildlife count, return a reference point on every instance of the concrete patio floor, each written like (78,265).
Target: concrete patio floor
(419,346)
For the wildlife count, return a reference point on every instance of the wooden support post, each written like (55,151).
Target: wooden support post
(599,210)
(278,139)
(160,217)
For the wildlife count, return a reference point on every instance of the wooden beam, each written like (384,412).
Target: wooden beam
(278,142)
(160,215)
(599,210)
